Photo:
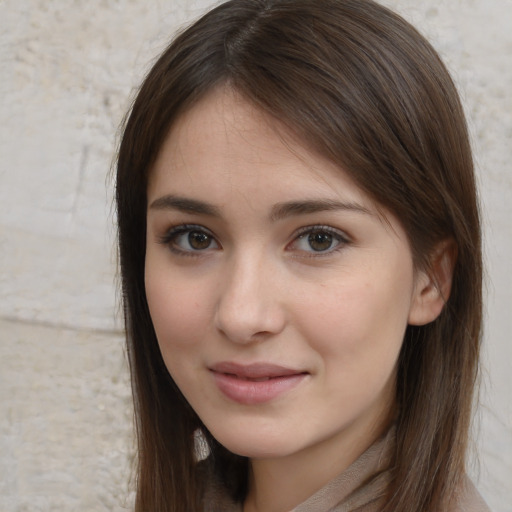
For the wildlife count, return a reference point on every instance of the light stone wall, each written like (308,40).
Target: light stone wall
(68,70)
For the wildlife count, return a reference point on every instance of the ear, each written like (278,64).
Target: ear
(433,284)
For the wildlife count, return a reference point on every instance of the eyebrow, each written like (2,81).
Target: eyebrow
(186,205)
(279,211)
(288,209)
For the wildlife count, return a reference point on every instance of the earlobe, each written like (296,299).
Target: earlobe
(433,284)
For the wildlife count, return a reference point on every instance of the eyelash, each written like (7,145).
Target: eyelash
(173,233)
(342,239)
(170,237)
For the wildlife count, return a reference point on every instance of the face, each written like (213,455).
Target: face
(279,294)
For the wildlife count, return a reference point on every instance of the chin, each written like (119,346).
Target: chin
(255,445)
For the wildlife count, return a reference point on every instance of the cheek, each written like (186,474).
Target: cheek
(358,332)
(360,321)
(180,321)
(177,310)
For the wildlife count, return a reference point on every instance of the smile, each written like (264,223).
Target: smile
(256,383)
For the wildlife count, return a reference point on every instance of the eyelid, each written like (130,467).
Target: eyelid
(342,236)
(322,227)
(179,229)
(174,231)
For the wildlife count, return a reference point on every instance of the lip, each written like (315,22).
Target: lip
(255,383)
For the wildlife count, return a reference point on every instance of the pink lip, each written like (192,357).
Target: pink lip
(255,383)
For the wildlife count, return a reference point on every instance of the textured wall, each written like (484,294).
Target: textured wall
(68,71)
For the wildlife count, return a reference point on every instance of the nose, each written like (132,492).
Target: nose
(250,305)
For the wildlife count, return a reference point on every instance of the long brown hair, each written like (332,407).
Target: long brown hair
(362,87)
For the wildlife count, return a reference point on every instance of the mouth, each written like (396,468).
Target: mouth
(256,383)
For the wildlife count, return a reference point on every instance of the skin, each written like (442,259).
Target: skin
(252,288)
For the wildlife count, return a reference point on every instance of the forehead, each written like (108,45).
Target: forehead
(226,144)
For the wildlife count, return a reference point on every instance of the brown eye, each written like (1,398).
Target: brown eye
(189,239)
(320,241)
(199,240)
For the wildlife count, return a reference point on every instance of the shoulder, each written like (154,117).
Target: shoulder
(468,499)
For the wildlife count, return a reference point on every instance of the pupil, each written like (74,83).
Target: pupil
(198,240)
(320,241)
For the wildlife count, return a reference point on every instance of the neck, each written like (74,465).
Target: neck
(280,484)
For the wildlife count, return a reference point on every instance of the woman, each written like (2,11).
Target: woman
(300,257)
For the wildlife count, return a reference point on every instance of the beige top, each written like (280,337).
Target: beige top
(359,488)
